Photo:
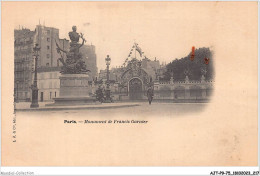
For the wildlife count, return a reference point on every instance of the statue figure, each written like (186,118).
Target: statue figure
(74,36)
(74,62)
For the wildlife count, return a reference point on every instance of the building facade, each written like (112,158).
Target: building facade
(47,37)
(48,83)
(151,67)
(89,53)
(23,63)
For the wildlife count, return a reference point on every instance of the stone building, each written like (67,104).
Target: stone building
(49,65)
(152,68)
(48,83)
(130,82)
(23,63)
(89,53)
(46,37)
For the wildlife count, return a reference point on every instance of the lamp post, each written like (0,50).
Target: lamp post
(108,98)
(34,87)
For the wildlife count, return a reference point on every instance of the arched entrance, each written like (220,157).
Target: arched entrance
(135,89)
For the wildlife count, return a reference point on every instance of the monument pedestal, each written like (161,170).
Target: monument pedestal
(74,90)
(74,85)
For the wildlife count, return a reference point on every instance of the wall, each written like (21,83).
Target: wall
(48,84)
(183,90)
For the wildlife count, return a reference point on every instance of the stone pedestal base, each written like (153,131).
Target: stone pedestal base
(74,90)
(74,85)
(73,101)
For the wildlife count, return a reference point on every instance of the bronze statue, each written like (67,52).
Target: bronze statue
(74,62)
(74,36)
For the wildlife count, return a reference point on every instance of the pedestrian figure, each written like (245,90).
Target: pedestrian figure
(150,95)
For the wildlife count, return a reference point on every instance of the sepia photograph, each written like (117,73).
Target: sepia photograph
(129,83)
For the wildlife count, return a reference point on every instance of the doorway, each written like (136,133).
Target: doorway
(41,96)
(135,89)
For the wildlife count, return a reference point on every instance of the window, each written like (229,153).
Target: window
(48,55)
(47,64)
(50,94)
(48,31)
(55,94)
(48,47)
(48,39)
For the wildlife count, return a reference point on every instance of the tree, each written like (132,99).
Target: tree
(178,66)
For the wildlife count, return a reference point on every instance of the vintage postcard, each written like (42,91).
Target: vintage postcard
(129,84)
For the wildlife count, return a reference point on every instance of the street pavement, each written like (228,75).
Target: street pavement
(25,106)
(120,108)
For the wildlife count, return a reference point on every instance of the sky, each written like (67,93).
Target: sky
(165,30)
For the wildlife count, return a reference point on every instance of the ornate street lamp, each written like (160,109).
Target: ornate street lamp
(108,98)
(34,87)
